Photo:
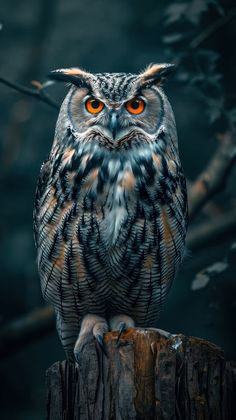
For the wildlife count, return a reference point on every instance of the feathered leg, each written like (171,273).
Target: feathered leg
(92,327)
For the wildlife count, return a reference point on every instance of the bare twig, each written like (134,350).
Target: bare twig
(38,93)
(210,30)
(214,176)
(17,334)
(220,226)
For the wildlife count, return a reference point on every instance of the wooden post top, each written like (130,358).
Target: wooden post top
(148,376)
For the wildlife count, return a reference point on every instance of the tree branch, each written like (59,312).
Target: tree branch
(38,93)
(210,30)
(22,331)
(209,230)
(214,176)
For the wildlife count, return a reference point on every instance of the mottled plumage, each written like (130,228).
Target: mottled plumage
(110,213)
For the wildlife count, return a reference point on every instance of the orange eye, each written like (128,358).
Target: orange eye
(93,105)
(135,106)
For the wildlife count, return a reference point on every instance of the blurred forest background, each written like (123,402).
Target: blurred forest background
(125,35)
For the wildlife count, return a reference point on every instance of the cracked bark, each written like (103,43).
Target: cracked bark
(147,377)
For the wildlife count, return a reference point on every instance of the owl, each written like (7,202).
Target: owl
(111,210)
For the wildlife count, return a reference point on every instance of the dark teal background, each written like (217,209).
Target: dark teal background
(104,35)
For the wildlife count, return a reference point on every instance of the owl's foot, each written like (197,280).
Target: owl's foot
(92,326)
(120,323)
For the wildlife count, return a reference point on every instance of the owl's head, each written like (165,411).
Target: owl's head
(114,108)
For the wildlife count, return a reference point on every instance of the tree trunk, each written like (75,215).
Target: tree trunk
(147,377)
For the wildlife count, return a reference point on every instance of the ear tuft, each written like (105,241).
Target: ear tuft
(156,74)
(72,75)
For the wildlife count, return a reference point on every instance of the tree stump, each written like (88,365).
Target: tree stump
(146,377)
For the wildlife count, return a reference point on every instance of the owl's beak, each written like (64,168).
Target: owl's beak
(114,125)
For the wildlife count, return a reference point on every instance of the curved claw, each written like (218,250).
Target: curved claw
(99,340)
(77,356)
(121,329)
(92,326)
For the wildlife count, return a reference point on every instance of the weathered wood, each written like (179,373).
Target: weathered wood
(147,377)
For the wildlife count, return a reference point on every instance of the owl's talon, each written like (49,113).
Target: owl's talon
(77,355)
(92,327)
(122,327)
(120,323)
(99,340)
